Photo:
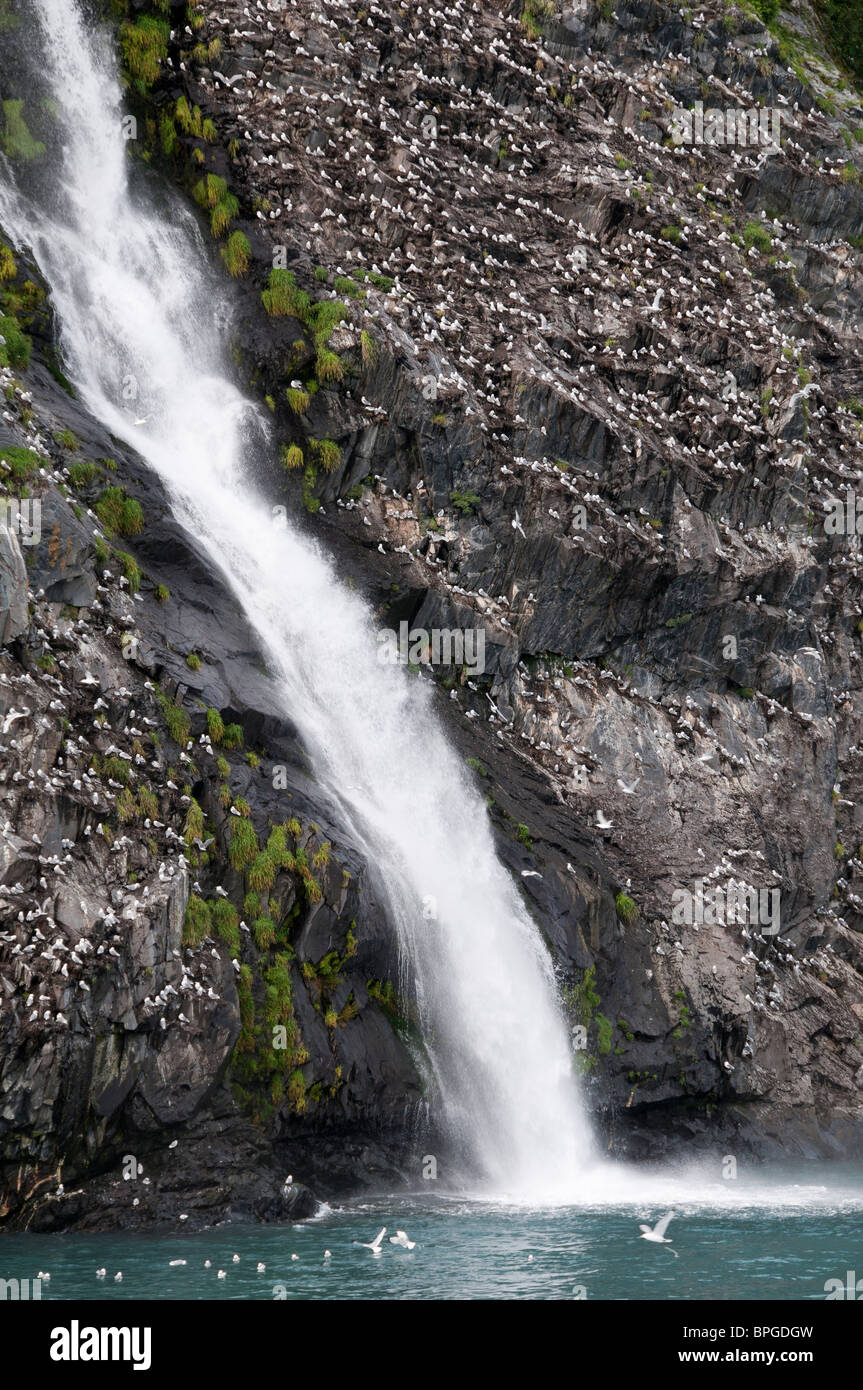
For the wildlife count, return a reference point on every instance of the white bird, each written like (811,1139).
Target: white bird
(657,1233)
(373,1245)
(174,1263)
(221,1274)
(118,1277)
(400,1238)
(328,1254)
(516,524)
(236,1259)
(261,1267)
(628,787)
(100,1273)
(525,873)
(602,821)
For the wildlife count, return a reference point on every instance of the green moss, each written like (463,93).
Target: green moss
(282,297)
(116,768)
(298,399)
(226,927)
(197,923)
(216,728)
(16,347)
(8,268)
(670,233)
(627,908)
(464,502)
(328,366)
(756,235)
(119,513)
(328,454)
(144,47)
(176,719)
(20,462)
(82,474)
(193,661)
(17,141)
(264,932)
(130,570)
(161,594)
(237,254)
(292,456)
(243,845)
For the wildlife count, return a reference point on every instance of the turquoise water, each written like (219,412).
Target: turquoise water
(775,1235)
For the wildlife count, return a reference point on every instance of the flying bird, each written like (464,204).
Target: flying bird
(373,1245)
(657,1233)
(400,1238)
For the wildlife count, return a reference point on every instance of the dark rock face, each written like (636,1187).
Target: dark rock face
(600,413)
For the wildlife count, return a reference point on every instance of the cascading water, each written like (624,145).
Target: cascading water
(135,300)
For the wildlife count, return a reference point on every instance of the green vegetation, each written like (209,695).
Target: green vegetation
(328,454)
(212,193)
(82,474)
(533,15)
(298,399)
(754,234)
(627,908)
(243,844)
(464,502)
(130,570)
(15,350)
(670,233)
(844,21)
(17,141)
(144,47)
(20,462)
(292,456)
(118,513)
(237,254)
(176,719)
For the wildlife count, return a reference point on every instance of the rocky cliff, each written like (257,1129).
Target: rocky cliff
(539,369)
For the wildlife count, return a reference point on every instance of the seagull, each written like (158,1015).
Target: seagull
(261,1267)
(118,1277)
(100,1273)
(400,1238)
(374,1245)
(657,1234)
(628,787)
(516,524)
(602,821)
(525,873)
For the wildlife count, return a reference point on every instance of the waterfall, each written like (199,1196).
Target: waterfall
(137,300)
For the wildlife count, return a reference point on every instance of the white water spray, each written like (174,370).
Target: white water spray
(135,300)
